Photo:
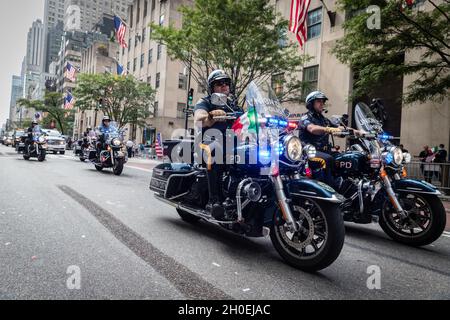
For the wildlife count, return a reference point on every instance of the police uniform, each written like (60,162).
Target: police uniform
(323,159)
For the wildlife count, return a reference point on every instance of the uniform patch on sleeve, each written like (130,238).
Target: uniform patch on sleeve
(305,117)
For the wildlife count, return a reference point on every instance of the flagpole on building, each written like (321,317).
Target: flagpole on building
(187,100)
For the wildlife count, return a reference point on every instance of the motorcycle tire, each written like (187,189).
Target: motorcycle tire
(330,249)
(42,156)
(437,220)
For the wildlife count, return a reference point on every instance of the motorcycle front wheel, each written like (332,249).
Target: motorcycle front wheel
(41,157)
(118,167)
(319,239)
(425,221)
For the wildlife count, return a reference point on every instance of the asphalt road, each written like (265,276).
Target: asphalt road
(70,232)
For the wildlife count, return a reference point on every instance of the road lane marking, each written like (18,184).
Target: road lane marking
(190,284)
(141,169)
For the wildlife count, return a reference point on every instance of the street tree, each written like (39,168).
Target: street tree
(52,108)
(123,98)
(377,52)
(245,38)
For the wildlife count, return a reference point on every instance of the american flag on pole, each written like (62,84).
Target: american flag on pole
(297,22)
(121,29)
(70,72)
(69,101)
(159,146)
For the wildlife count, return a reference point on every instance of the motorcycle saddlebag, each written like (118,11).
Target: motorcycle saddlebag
(172,179)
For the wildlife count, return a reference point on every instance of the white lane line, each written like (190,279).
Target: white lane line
(145,170)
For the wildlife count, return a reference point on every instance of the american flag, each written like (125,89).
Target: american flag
(69,101)
(70,72)
(121,29)
(297,22)
(120,70)
(158,146)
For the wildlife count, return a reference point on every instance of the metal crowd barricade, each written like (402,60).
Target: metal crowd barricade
(437,174)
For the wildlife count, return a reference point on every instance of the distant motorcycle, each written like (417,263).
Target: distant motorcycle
(86,145)
(37,148)
(109,152)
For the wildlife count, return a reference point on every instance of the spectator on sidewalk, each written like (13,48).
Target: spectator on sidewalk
(403,148)
(441,154)
(423,155)
(130,145)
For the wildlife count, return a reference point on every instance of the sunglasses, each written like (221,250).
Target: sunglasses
(220,83)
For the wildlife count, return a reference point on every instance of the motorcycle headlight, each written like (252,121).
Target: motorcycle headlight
(397,154)
(293,148)
(407,157)
(310,151)
(116,142)
(41,139)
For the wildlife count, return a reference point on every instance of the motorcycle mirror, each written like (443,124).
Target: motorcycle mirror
(336,120)
(219,99)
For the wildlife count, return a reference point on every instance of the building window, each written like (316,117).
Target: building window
(158,75)
(180,110)
(277,83)
(128,66)
(150,56)
(134,64)
(131,17)
(158,56)
(142,60)
(144,31)
(149,80)
(314,23)
(129,44)
(310,78)
(155,109)
(161,20)
(145,8)
(182,81)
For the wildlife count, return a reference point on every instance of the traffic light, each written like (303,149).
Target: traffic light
(190,97)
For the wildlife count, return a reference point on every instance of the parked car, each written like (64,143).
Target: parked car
(7,139)
(18,140)
(55,141)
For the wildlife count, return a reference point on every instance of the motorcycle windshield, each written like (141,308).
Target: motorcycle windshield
(264,100)
(366,121)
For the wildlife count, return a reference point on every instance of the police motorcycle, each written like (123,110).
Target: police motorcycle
(37,147)
(265,195)
(373,179)
(109,151)
(86,145)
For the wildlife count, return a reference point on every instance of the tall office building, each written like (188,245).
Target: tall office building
(84,14)
(35,47)
(53,24)
(16,94)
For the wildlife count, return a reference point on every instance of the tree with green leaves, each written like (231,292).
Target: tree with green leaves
(52,107)
(377,53)
(123,98)
(245,38)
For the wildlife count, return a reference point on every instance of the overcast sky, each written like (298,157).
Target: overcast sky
(16,18)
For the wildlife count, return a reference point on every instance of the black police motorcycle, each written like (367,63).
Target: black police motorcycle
(109,152)
(374,182)
(36,148)
(301,215)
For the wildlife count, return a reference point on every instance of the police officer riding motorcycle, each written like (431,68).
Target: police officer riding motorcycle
(204,112)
